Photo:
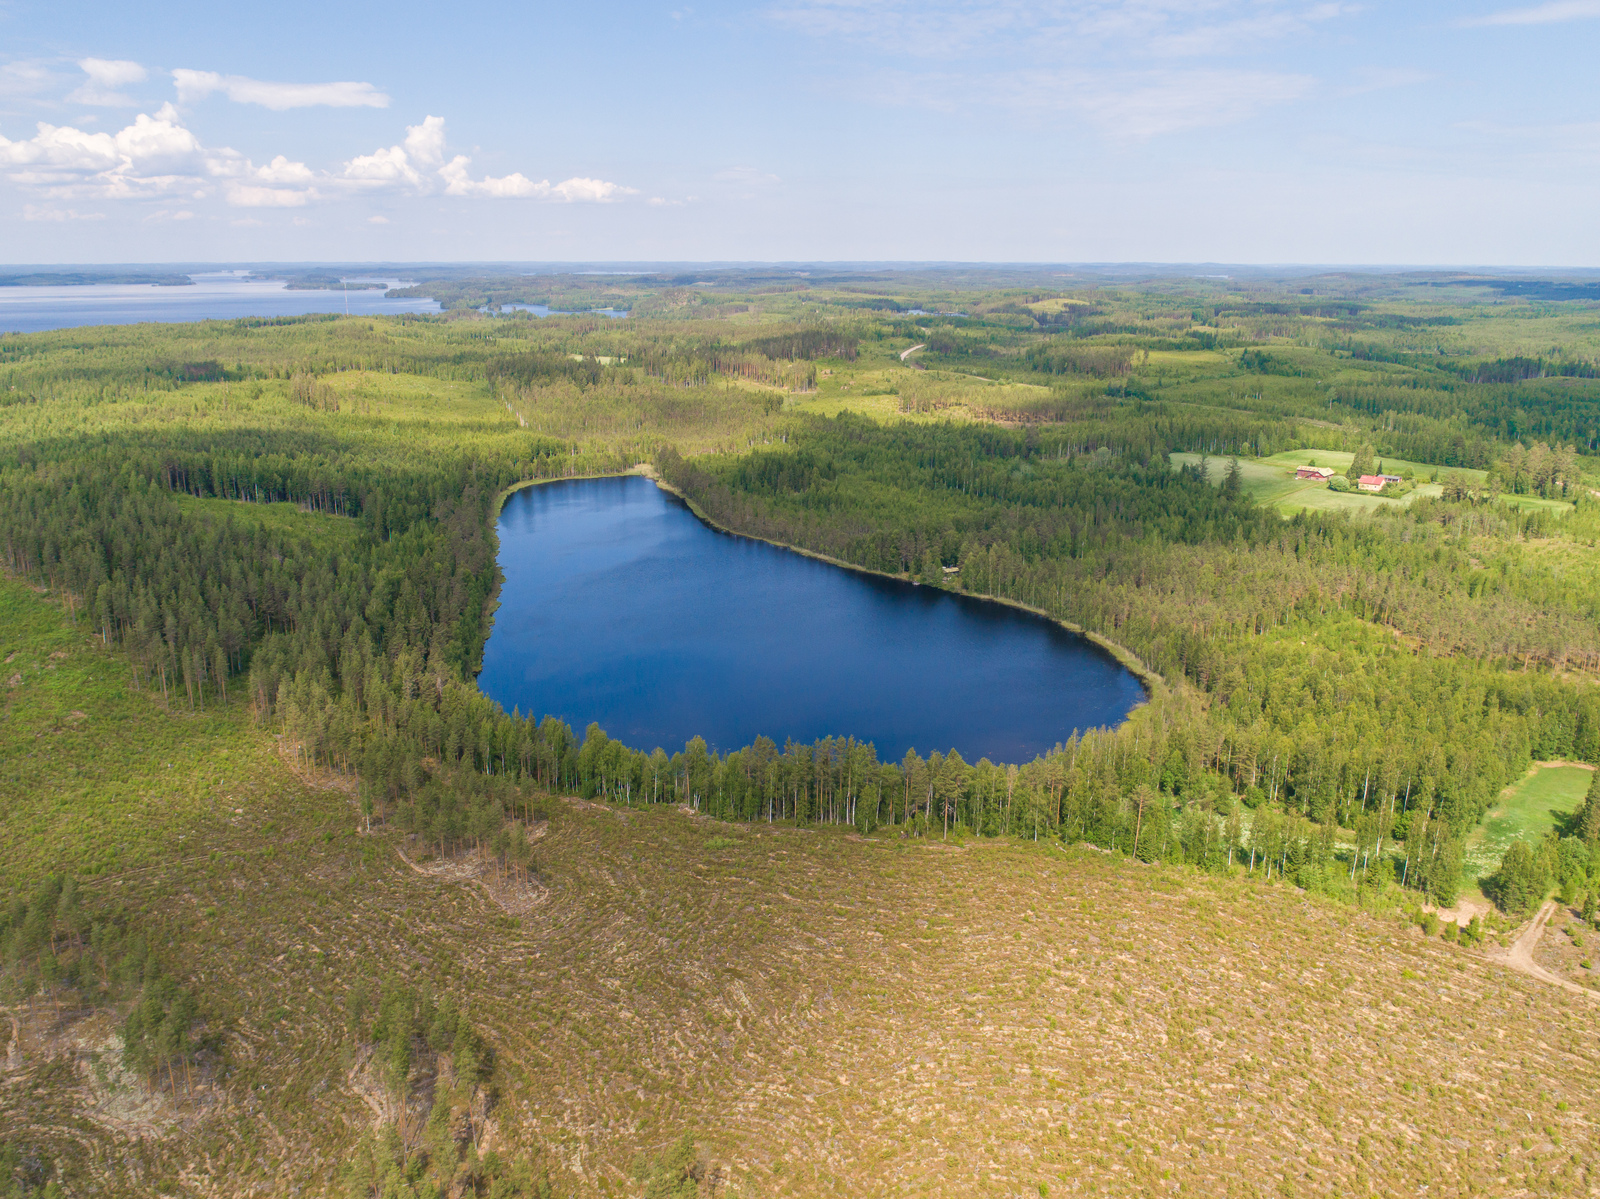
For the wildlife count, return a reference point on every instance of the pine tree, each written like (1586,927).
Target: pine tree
(1589,819)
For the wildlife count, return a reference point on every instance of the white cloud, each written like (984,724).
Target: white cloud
(60,149)
(281,170)
(419,164)
(596,191)
(382,167)
(157,155)
(106,75)
(424,143)
(31,212)
(150,154)
(459,183)
(377,220)
(159,140)
(519,186)
(1540,14)
(197,85)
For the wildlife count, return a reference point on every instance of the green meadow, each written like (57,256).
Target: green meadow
(1528,809)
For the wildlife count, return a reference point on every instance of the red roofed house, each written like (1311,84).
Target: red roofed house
(1372,482)
(1314,472)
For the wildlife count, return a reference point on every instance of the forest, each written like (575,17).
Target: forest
(294,519)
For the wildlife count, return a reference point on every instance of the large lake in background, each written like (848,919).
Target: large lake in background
(211,297)
(619,606)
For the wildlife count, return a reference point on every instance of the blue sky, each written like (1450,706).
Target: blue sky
(1058,130)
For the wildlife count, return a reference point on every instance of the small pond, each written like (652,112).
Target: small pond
(620,606)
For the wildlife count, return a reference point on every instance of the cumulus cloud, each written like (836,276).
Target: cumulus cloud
(596,191)
(418,163)
(156,155)
(197,85)
(423,148)
(425,142)
(152,155)
(106,75)
(1540,14)
(281,170)
(518,186)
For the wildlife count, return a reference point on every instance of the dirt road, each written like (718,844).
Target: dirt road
(1520,956)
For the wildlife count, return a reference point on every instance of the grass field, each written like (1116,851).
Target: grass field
(1528,809)
(826,1014)
(1340,460)
(1271,480)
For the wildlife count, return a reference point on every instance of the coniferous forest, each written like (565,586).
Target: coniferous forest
(266,549)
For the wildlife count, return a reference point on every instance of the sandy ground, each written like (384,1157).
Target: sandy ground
(1520,956)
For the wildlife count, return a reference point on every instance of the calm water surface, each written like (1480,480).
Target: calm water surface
(222,296)
(620,607)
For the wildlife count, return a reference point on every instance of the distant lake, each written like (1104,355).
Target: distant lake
(620,606)
(211,297)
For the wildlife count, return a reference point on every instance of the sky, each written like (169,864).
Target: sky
(1236,131)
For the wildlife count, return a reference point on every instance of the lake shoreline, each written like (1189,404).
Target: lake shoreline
(1151,682)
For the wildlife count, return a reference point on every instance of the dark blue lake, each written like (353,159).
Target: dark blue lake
(619,606)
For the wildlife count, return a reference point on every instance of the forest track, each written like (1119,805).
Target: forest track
(1520,956)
